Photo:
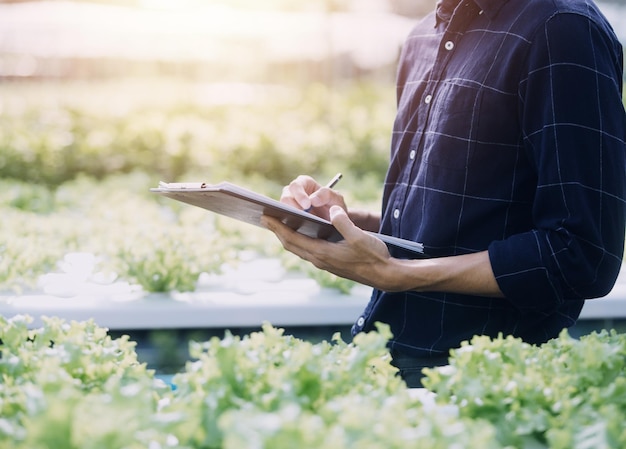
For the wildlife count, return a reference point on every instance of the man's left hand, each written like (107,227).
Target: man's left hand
(360,257)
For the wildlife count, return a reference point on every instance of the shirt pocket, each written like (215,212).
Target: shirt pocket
(452,124)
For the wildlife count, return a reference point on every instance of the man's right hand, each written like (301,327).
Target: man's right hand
(306,193)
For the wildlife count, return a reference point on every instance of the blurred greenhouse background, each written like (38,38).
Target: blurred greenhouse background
(99,100)
(106,97)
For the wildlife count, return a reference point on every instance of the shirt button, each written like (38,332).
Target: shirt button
(428,98)
(412,154)
(360,322)
(449,45)
(396,213)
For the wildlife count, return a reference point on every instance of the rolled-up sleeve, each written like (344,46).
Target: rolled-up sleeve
(574,131)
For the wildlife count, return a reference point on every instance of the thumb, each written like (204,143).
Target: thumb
(340,220)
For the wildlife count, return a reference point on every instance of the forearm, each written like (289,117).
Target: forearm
(364,258)
(467,274)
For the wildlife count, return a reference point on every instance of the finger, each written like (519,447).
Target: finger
(284,233)
(321,197)
(340,220)
(298,191)
(288,198)
(355,236)
(291,240)
(271,223)
(274,225)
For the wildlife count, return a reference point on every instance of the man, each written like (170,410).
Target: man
(508,162)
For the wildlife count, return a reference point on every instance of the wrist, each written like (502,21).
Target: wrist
(397,275)
(365,220)
(413,275)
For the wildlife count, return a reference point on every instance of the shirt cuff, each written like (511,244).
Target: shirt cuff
(521,274)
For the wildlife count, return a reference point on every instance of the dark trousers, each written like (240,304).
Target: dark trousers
(410,368)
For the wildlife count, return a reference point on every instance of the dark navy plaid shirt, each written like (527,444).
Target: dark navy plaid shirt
(509,137)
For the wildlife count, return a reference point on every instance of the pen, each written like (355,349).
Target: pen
(332,183)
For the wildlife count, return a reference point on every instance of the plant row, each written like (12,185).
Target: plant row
(115,230)
(70,155)
(51,134)
(70,385)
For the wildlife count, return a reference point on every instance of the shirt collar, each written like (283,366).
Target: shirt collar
(490,7)
(445,8)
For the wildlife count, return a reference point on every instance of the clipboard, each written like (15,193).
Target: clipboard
(248,206)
